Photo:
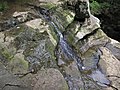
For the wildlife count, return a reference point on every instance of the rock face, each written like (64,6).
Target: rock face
(50,79)
(33,58)
(110,65)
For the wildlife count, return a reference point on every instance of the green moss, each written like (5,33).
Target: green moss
(65,17)
(8,55)
(50,48)
(53,34)
(18,64)
(14,32)
(49,6)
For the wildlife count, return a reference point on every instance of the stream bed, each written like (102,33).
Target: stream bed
(43,47)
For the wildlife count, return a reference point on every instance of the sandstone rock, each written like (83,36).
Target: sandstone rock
(18,64)
(41,26)
(50,79)
(114,47)
(22,16)
(94,23)
(99,38)
(110,66)
(37,24)
(17,14)
(8,81)
(31,47)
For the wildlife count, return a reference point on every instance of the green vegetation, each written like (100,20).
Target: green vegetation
(97,7)
(3,5)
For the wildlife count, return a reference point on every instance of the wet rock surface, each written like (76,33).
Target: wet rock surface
(57,52)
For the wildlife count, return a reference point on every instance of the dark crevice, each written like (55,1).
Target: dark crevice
(21,75)
(113,76)
(113,87)
(90,34)
(79,19)
(8,84)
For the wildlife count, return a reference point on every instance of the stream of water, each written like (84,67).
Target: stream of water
(96,75)
(68,51)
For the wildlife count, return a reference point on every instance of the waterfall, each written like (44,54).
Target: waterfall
(69,51)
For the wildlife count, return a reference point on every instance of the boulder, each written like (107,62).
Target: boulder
(22,16)
(50,79)
(28,60)
(114,47)
(110,65)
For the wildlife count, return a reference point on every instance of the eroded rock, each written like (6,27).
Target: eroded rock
(37,24)
(50,1)
(114,47)
(30,47)
(22,16)
(50,79)
(8,81)
(111,66)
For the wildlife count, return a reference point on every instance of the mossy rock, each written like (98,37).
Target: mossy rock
(64,17)
(18,64)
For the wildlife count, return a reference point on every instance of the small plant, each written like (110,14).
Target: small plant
(3,6)
(95,7)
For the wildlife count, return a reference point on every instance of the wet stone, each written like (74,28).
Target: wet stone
(28,51)
(39,54)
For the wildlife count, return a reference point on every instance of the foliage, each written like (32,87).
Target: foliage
(3,6)
(97,6)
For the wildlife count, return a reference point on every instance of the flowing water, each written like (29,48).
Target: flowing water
(86,76)
(96,75)
(65,46)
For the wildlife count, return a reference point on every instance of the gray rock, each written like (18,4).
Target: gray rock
(8,81)
(110,65)
(114,47)
(50,79)
(31,47)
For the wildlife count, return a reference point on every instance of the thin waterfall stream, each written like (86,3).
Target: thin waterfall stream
(68,51)
(65,46)
(56,45)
